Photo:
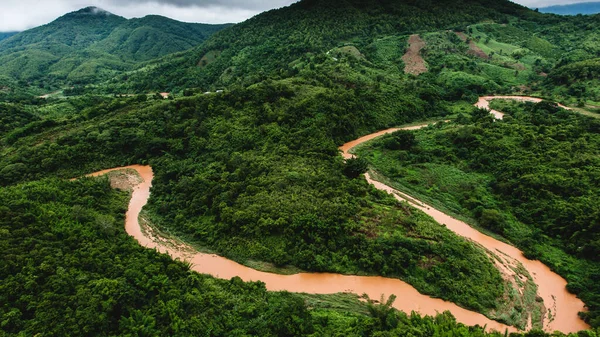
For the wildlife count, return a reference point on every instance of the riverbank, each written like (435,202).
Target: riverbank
(552,291)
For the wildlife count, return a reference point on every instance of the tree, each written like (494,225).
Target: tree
(383,312)
(354,167)
(401,140)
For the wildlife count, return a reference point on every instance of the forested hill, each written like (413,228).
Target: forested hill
(6,35)
(154,36)
(90,44)
(254,173)
(573,9)
(268,42)
(71,31)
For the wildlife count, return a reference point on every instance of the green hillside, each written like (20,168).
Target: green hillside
(6,35)
(266,45)
(154,36)
(246,162)
(91,44)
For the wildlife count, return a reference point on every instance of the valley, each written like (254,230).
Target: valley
(476,217)
(550,286)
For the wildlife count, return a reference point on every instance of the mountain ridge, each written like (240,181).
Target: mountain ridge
(585,8)
(247,165)
(347,21)
(82,45)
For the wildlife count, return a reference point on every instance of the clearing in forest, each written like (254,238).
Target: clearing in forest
(413,61)
(209,58)
(473,48)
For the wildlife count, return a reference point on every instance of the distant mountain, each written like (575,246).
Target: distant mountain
(573,9)
(6,35)
(92,43)
(137,38)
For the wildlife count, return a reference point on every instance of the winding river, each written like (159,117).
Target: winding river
(484,103)
(552,288)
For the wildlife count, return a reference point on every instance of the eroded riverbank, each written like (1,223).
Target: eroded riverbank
(552,287)
(409,299)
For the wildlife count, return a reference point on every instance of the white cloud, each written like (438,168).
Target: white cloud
(18,15)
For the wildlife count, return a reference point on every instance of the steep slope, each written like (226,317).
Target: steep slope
(73,30)
(91,44)
(33,54)
(268,42)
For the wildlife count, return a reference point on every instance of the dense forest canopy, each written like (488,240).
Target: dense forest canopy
(6,35)
(246,162)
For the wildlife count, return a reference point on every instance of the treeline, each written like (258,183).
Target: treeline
(577,71)
(12,117)
(531,178)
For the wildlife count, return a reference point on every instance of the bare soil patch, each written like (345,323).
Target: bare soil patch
(476,51)
(413,61)
(125,179)
(473,48)
(209,58)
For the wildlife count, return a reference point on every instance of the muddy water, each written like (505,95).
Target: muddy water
(563,306)
(551,287)
(408,298)
(484,103)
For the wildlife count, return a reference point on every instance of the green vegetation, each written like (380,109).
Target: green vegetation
(63,242)
(6,35)
(268,45)
(531,178)
(253,172)
(224,174)
(90,45)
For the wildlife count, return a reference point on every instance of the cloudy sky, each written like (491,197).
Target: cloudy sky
(17,15)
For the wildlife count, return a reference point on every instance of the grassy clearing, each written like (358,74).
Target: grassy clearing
(340,302)
(209,58)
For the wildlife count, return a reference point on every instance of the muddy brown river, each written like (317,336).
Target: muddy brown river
(484,103)
(551,287)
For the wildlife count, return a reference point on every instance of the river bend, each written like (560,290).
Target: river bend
(551,287)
